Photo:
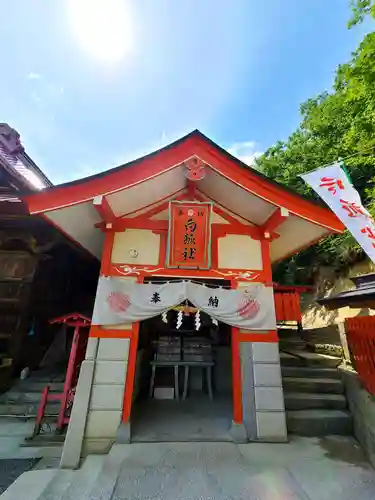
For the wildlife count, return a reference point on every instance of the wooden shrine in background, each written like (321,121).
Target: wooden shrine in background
(42,274)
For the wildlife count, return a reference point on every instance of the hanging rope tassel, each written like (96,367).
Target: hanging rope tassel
(179,319)
(197,320)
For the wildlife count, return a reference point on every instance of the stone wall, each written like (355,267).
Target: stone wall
(316,316)
(327,335)
(362,407)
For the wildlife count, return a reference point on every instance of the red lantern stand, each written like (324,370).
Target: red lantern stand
(76,356)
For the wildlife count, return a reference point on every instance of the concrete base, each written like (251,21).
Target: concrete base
(238,433)
(124,433)
(96,446)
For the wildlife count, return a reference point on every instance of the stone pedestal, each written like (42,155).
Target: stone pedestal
(262,392)
(98,402)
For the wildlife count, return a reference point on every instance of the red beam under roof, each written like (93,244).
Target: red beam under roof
(103,208)
(275,220)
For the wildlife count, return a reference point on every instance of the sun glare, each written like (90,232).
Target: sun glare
(102,27)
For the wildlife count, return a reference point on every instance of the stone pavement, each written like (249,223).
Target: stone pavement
(304,469)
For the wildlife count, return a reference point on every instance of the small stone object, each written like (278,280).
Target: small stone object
(25,373)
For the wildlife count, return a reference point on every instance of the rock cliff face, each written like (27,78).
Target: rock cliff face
(315,316)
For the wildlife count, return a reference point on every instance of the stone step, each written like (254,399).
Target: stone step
(51,419)
(59,484)
(96,478)
(319,422)
(293,344)
(37,386)
(315,385)
(106,480)
(27,410)
(20,397)
(45,378)
(34,482)
(84,479)
(45,439)
(312,371)
(308,359)
(292,333)
(290,337)
(305,401)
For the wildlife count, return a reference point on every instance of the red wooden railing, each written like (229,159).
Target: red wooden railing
(360,332)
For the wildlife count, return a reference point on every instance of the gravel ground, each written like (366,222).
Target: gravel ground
(11,469)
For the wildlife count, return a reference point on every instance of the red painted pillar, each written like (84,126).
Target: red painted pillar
(107,253)
(236,377)
(130,372)
(236,373)
(266,259)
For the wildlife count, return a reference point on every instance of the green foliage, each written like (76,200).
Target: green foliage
(360,9)
(334,125)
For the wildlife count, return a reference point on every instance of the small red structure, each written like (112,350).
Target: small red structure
(288,303)
(77,355)
(360,332)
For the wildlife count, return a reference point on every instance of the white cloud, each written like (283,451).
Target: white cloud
(35,97)
(246,151)
(34,76)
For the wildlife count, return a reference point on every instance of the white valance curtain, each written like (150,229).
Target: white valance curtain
(121,301)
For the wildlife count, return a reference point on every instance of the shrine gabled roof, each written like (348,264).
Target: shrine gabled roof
(363,295)
(161,176)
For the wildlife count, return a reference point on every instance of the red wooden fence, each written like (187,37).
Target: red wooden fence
(360,332)
(287,306)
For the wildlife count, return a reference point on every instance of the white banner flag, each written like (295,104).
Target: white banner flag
(120,301)
(333,186)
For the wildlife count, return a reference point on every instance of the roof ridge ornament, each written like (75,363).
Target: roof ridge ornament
(195,169)
(10,140)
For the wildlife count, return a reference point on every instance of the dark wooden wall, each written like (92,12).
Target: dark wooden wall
(42,276)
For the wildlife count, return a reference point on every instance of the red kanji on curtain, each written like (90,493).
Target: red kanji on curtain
(189,235)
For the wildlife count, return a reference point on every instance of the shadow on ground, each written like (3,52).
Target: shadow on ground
(345,450)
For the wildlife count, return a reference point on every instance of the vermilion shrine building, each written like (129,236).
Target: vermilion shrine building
(128,218)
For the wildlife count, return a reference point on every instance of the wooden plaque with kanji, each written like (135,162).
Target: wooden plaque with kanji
(189,237)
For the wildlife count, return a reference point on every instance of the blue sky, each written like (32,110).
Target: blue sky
(86,94)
